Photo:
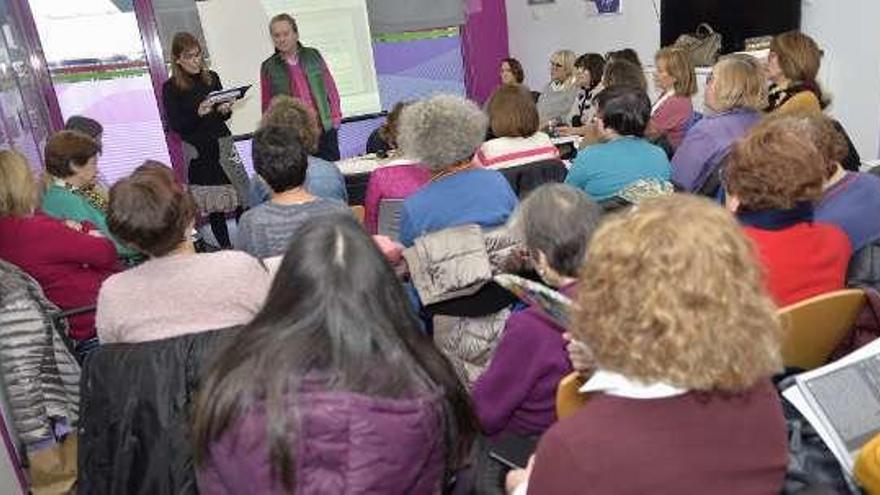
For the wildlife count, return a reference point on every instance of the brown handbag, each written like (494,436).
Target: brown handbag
(702,46)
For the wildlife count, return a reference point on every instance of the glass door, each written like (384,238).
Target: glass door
(99,69)
(24,117)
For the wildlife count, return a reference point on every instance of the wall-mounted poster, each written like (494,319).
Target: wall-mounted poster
(604,7)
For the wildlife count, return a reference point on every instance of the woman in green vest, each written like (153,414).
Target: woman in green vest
(300,71)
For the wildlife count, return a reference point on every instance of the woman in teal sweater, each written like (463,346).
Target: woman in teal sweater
(604,170)
(71,192)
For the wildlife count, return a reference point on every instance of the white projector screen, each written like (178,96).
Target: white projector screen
(237,35)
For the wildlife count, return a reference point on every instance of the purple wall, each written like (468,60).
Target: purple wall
(484,44)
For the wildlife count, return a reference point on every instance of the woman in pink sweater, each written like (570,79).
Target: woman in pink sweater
(176,291)
(676,79)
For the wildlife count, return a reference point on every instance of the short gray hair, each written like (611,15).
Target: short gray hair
(558,220)
(442,131)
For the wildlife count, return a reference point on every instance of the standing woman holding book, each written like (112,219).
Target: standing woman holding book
(216,176)
(300,71)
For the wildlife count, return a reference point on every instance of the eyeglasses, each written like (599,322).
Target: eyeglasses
(191,55)
(555,64)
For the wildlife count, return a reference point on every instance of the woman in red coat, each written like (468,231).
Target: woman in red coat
(69,260)
(774,178)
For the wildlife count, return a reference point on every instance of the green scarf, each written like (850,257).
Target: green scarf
(275,69)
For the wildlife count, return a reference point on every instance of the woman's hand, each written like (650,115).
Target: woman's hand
(225,108)
(517,477)
(579,354)
(565,130)
(73,224)
(205,108)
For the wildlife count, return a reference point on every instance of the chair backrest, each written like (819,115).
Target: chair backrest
(529,176)
(142,394)
(816,326)
(389,217)
(568,397)
(358,212)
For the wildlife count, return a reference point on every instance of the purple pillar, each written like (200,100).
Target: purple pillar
(483,45)
(146,19)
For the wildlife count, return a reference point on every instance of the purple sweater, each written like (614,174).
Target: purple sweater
(517,392)
(706,145)
(853,204)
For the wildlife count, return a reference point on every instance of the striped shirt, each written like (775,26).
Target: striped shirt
(507,152)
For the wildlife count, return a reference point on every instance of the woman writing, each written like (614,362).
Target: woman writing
(202,125)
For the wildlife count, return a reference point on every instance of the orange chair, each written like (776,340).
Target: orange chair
(867,468)
(568,398)
(816,326)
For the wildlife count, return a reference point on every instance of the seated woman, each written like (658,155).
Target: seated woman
(792,67)
(674,76)
(734,94)
(68,259)
(626,54)
(850,200)
(617,73)
(323,178)
(513,119)
(588,70)
(443,133)
(517,392)
(684,367)
(558,95)
(773,179)
(511,71)
(384,139)
(281,160)
(604,169)
(71,168)
(331,388)
(176,291)
(398,179)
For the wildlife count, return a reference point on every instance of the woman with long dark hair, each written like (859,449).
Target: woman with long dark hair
(331,388)
(216,177)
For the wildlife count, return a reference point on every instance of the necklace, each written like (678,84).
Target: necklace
(446,172)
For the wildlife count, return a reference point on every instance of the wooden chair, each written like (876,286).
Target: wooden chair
(358,212)
(867,468)
(568,399)
(816,326)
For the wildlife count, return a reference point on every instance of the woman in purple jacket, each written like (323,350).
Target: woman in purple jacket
(734,94)
(516,394)
(331,388)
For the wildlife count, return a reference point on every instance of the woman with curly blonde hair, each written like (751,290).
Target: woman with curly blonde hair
(685,339)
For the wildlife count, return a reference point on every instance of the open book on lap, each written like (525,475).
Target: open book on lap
(841,400)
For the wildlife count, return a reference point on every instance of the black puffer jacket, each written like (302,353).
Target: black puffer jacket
(135,414)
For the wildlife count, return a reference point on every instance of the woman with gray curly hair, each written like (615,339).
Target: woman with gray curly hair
(443,133)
